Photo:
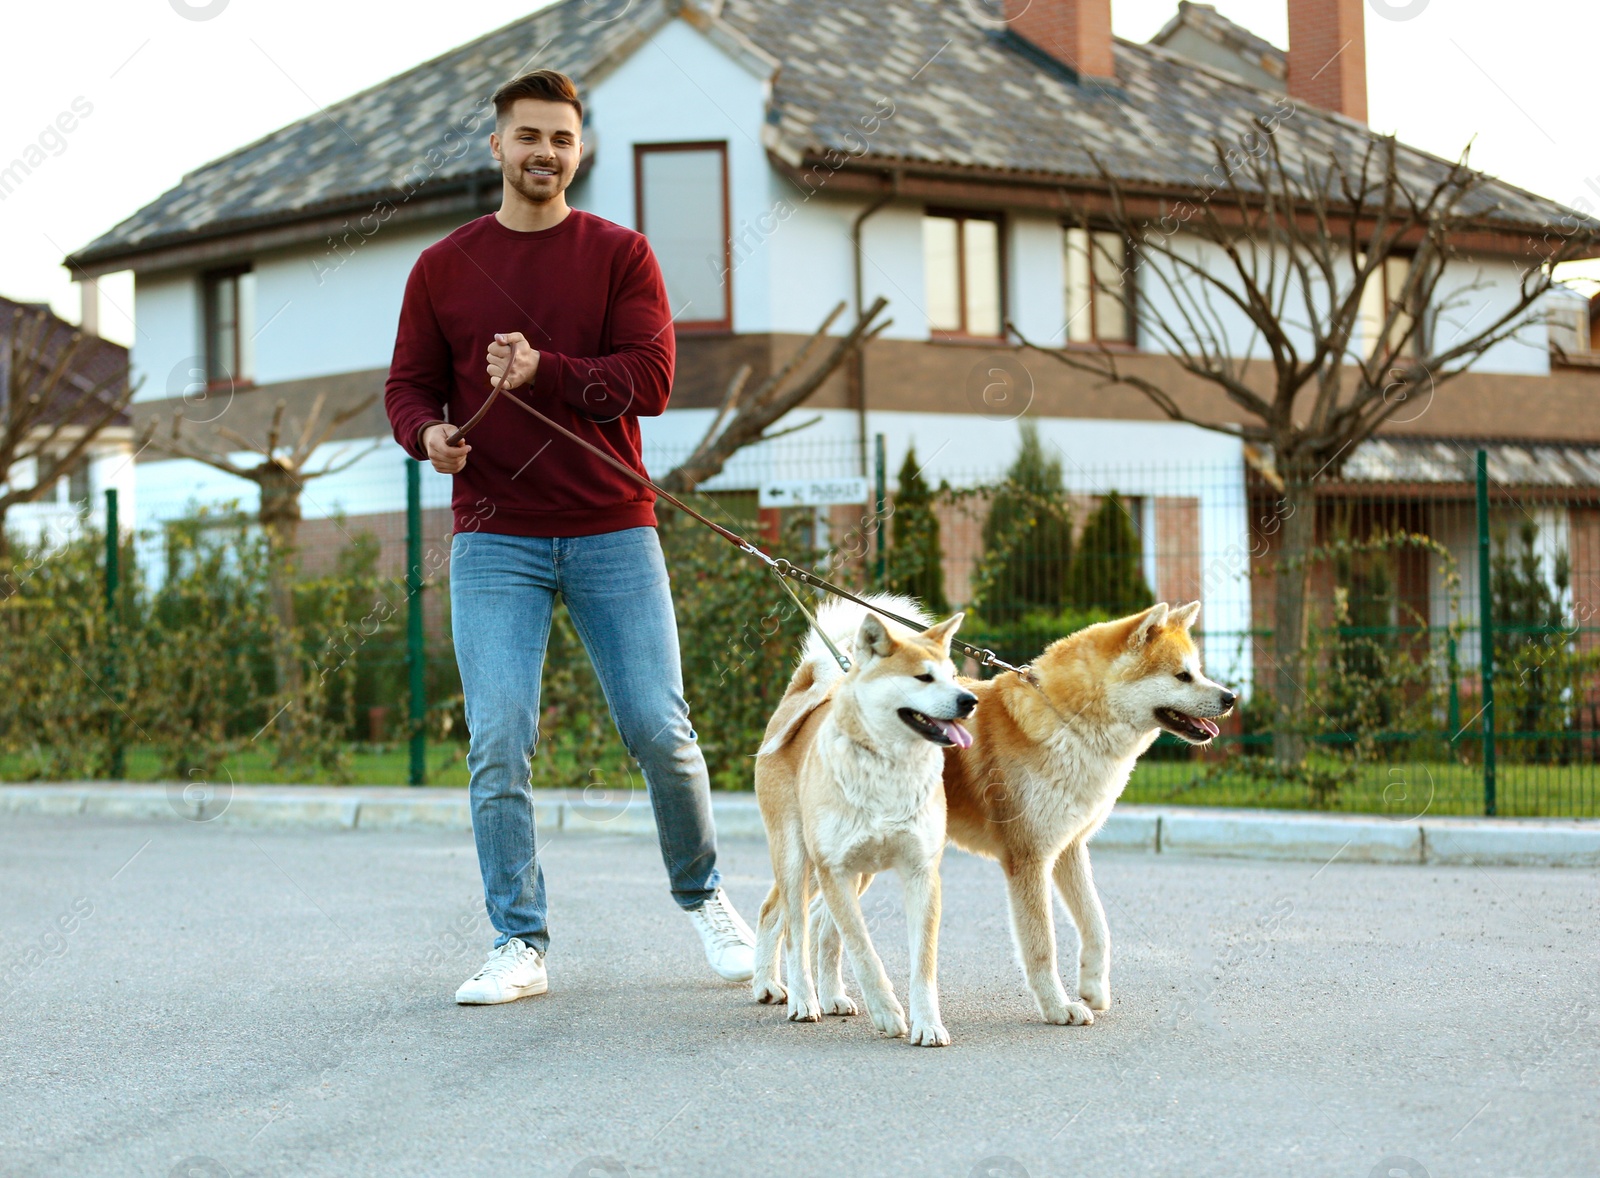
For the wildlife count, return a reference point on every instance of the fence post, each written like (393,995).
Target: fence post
(1486,634)
(113,579)
(1453,669)
(416,655)
(881,482)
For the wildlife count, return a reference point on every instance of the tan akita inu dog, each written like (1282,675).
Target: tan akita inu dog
(848,779)
(1047,761)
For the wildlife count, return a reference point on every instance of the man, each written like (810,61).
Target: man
(536,515)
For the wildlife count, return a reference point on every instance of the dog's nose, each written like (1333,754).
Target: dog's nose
(965,702)
(1228,700)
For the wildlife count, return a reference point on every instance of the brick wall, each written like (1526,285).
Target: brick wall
(1328,55)
(1075,32)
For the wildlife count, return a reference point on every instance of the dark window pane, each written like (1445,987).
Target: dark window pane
(681,212)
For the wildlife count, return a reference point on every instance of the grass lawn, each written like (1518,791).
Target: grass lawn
(1397,788)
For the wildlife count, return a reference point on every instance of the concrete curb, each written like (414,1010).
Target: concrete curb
(1258,835)
(1167,830)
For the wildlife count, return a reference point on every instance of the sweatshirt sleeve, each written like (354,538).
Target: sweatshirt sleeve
(421,373)
(636,377)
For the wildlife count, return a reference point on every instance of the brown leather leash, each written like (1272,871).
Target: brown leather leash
(780,567)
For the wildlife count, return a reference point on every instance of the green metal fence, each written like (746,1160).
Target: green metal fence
(1446,659)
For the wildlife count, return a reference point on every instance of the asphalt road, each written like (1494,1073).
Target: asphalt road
(187,999)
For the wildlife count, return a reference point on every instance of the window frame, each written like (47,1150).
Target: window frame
(961,216)
(1416,346)
(1130,300)
(80,475)
(640,150)
(209,282)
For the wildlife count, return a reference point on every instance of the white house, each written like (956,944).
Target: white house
(783,157)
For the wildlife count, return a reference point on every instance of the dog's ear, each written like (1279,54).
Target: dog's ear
(1184,615)
(943,632)
(873,637)
(1147,623)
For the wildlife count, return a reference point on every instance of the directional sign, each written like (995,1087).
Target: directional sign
(813,492)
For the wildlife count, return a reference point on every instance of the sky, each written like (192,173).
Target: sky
(169,85)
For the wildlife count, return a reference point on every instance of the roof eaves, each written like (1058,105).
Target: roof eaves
(95,262)
(1065,182)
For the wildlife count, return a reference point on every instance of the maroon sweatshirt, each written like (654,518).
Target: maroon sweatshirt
(588,296)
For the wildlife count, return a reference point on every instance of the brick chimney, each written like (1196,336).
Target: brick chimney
(1328,55)
(1076,33)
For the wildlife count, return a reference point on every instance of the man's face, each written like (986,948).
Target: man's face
(538,145)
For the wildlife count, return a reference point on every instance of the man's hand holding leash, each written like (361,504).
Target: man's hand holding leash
(522,369)
(512,346)
(446,459)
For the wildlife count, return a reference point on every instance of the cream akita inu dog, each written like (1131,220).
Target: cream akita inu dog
(1047,761)
(848,779)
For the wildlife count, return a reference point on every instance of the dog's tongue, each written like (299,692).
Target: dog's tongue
(958,735)
(1208,725)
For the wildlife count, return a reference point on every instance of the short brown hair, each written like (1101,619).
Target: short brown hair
(544,85)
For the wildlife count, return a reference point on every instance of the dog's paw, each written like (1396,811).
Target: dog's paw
(838,1004)
(769,991)
(802,1010)
(888,1016)
(925,1033)
(1064,1013)
(1096,992)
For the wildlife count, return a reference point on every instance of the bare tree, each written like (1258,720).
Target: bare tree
(1263,290)
(745,417)
(280,476)
(61,390)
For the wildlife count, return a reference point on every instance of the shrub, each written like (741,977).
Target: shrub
(1107,571)
(1539,672)
(916,558)
(1027,538)
(739,634)
(1021,639)
(185,666)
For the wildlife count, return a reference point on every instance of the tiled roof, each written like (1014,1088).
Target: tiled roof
(369,145)
(1511,464)
(966,94)
(95,364)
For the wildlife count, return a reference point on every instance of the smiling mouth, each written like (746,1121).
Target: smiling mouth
(931,728)
(545,172)
(1194,729)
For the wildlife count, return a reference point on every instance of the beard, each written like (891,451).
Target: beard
(536,189)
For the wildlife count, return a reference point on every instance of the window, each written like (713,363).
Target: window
(682,195)
(230,312)
(1382,294)
(1571,337)
(1099,287)
(961,261)
(78,482)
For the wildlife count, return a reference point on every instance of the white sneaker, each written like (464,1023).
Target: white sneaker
(514,970)
(730,945)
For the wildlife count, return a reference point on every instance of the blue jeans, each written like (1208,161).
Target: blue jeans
(502,592)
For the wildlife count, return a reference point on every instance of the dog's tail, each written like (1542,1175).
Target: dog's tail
(819,671)
(840,619)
